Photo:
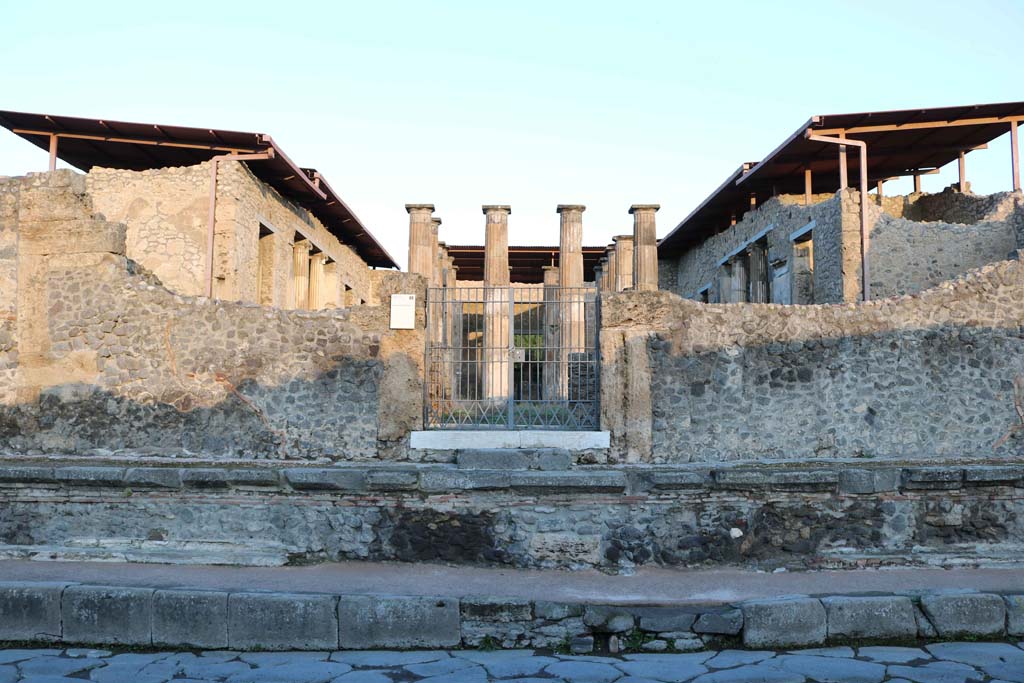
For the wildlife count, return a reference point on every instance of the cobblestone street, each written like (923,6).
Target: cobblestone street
(939,663)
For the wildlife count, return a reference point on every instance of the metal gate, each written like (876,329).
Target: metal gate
(512,358)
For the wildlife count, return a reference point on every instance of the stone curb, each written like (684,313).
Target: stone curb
(437,479)
(71,613)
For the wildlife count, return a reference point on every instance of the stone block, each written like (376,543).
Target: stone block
(581,645)
(369,621)
(932,478)
(495,459)
(90,476)
(608,619)
(439,481)
(863,481)
(16,474)
(552,459)
(795,622)
(993,475)
(107,615)
(204,478)
(552,482)
(1014,614)
(30,611)
(392,480)
(870,618)
(665,619)
(326,479)
(153,477)
(189,618)
(728,623)
(672,480)
(253,476)
(970,614)
(497,609)
(805,480)
(556,611)
(742,480)
(282,621)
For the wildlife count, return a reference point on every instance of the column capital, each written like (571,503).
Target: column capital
(640,208)
(429,208)
(435,220)
(496,208)
(622,238)
(570,208)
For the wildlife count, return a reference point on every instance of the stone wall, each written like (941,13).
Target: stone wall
(929,376)
(915,241)
(104,359)
(166,212)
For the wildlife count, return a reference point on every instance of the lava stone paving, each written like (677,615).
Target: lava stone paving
(939,663)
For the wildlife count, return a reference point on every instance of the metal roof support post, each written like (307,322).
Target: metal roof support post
(808,187)
(864,238)
(53,153)
(1015,155)
(211,216)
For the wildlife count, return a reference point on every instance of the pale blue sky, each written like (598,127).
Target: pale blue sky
(528,103)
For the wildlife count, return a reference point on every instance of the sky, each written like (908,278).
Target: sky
(531,104)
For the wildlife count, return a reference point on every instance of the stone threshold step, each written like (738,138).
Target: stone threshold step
(70,612)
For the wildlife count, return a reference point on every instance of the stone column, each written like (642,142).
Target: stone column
(316,280)
(599,276)
(435,245)
(570,280)
(300,274)
(645,247)
(421,253)
(757,256)
(738,295)
(623,262)
(610,276)
(497,313)
(552,334)
(723,284)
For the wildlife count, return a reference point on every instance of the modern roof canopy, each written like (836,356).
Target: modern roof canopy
(526,262)
(910,142)
(85,143)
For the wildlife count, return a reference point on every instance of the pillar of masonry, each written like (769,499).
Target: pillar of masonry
(723,284)
(435,245)
(316,280)
(421,252)
(738,295)
(332,286)
(300,274)
(610,276)
(645,247)
(570,280)
(599,276)
(757,257)
(552,334)
(623,262)
(497,314)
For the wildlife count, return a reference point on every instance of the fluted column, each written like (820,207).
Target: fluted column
(316,280)
(623,262)
(645,247)
(570,278)
(300,274)
(332,286)
(757,256)
(435,245)
(739,280)
(611,275)
(497,314)
(552,334)
(421,252)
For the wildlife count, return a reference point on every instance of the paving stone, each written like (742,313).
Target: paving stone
(107,614)
(671,670)
(363,677)
(754,673)
(46,679)
(440,667)
(893,655)
(282,621)
(189,618)
(825,652)
(726,659)
(295,672)
(1014,614)
(936,672)
(1007,672)
(212,669)
(382,658)
(688,658)
(830,669)
(8,674)
(16,655)
(86,652)
(783,623)
(584,672)
(58,666)
(870,618)
(473,674)
(30,611)
(978,654)
(517,666)
(265,659)
(401,622)
(974,614)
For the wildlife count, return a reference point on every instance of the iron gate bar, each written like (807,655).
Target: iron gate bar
(542,372)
